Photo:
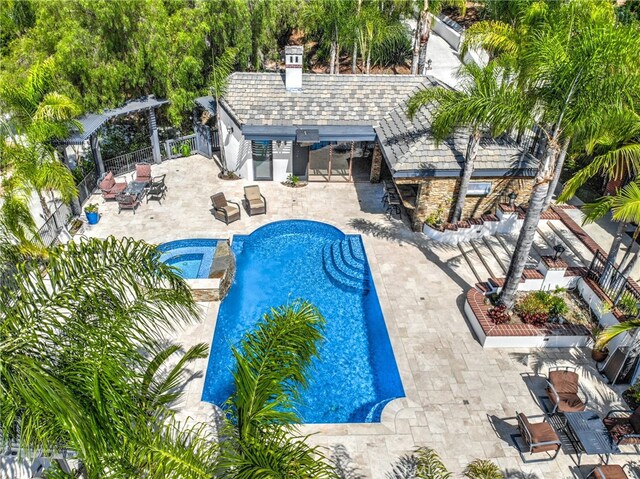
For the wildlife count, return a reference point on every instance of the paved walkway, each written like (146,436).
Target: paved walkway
(460,399)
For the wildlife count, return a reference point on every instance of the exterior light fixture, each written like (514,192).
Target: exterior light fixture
(429,64)
(512,198)
(559,249)
(278,143)
(230,129)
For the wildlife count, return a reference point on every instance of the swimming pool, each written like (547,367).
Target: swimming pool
(192,257)
(356,374)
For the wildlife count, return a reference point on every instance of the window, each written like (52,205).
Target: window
(479,188)
(262,152)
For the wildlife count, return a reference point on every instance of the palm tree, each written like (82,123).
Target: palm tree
(564,66)
(272,363)
(427,8)
(82,359)
(625,208)
(326,20)
(485,101)
(221,69)
(38,115)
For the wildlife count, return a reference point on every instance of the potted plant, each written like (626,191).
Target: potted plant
(91,212)
(597,354)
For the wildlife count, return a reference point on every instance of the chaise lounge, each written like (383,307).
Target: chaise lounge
(538,437)
(562,388)
(256,203)
(624,426)
(110,188)
(226,211)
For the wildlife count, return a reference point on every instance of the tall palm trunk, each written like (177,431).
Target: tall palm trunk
(354,59)
(223,156)
(420,27)
(469,161)
(332,59)
(626,272)
(424,40)
(556,175)
(337,66)
(528,231)
(368,63)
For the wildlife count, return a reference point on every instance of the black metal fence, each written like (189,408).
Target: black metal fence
(52,227)
(87,186)
(612,281)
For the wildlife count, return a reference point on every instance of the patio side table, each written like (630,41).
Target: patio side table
(588,435)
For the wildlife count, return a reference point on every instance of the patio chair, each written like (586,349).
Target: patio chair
(110,188)
(562,388)
(624,426)
(538,437)
(157,189)
(256,204)
(608,472)
(127,202)
(227,211)
(143,173)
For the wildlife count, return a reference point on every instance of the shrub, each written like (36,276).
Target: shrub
(557,305)
(628,305)
(499,315)
(534,308)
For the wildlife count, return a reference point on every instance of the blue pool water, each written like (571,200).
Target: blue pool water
(192,257)
(356,374)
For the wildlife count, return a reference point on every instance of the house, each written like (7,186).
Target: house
(354,128)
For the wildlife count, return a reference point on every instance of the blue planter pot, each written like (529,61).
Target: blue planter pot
(92,218)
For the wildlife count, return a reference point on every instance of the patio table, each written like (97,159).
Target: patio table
(135,188)
(588,435)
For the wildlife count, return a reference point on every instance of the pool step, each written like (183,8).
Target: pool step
(357,250)
(345,268)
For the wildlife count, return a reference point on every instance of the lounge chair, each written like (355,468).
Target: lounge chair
(562,388)
(256,203)
(624,426)
(127,202)
(538,437)
(143,173)
(227,211)
(608,472)
(110,188)
(157,189)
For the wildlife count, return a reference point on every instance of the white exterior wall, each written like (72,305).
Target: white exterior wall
(508,224)
(237,153)
(282,160)
(477,55)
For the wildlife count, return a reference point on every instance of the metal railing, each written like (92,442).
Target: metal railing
(612,281)
(52,227)
(183,146)
(127,162)
(87,186)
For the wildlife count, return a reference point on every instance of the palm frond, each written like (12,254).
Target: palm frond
(611,332)
(598,209)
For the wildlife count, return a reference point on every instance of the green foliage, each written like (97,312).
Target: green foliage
(185,149)
(628,305)
(429,465)
(293,180)
(393,50)
(537,307)
(91,208)
(483,469)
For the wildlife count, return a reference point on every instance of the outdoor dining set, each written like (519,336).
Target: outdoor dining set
(586,431)
(129,194)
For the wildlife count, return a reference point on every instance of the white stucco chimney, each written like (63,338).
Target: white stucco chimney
(293,66)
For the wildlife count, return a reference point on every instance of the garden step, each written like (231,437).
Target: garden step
(578,249)
(473,262)
(486,258)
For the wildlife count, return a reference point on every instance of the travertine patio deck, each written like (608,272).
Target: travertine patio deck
(460,399)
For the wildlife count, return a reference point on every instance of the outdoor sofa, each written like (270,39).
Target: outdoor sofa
(110,188)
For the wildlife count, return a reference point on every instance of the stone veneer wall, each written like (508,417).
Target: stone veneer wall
(223,267)
(436,192)
(376,164)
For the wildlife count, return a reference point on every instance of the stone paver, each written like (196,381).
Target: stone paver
(460,399)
